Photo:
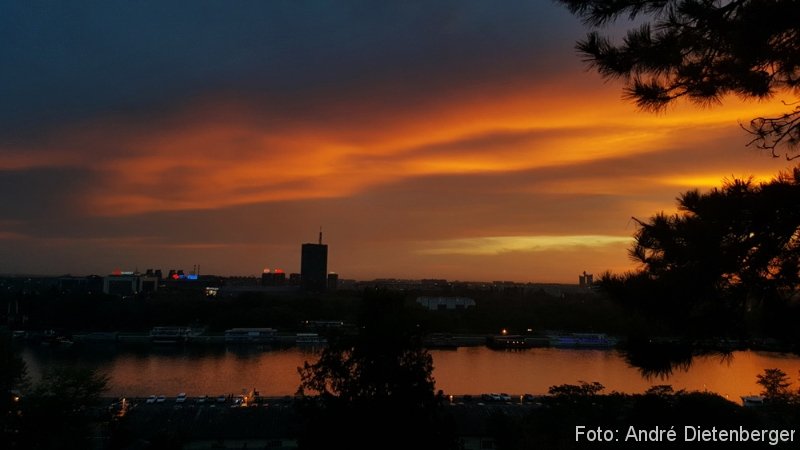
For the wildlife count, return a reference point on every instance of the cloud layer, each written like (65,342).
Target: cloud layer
(450,140)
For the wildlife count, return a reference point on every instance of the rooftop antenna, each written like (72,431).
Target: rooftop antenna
(320,235)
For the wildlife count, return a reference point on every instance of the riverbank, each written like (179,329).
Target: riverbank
(561,339)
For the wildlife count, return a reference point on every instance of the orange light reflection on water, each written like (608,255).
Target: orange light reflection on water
(478,370)
(468,370)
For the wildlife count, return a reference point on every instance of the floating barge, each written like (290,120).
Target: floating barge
(583,340)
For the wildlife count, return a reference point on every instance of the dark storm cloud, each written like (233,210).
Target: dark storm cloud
(64,61)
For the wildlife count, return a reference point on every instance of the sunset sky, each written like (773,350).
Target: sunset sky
(457,139)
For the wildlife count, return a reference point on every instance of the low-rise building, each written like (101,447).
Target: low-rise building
(125,284)
(445,303)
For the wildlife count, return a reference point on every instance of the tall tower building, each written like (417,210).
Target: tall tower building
(314,266)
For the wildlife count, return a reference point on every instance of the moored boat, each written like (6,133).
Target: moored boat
(310,339)
(583,340)
(515,341)
(250,335)
(170,335)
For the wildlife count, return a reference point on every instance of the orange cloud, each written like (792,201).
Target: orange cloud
(217,153)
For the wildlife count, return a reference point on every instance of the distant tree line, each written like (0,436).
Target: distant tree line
(516,311)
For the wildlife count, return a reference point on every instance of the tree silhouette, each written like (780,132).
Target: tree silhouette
(584,389)
(658,360)
(742,235)
(374,389)
(775,383)
(64,403)
(731,250)
(384,362)
(702,50)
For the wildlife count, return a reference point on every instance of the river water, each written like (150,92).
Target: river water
(468,370)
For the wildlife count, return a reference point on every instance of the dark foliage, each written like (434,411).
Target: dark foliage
(97,312)
(553,424)
(384,362)
(702,50)
(536,310)
(583,389)
(62,411)
(775,384)
(727,258)
(658,359)
(515,310)
(374,389)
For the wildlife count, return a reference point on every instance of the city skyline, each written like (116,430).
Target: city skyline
(455,140)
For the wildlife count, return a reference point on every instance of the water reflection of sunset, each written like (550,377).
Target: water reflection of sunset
(535,371)
(469,370)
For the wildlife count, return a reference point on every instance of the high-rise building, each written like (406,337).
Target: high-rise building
(314,266)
